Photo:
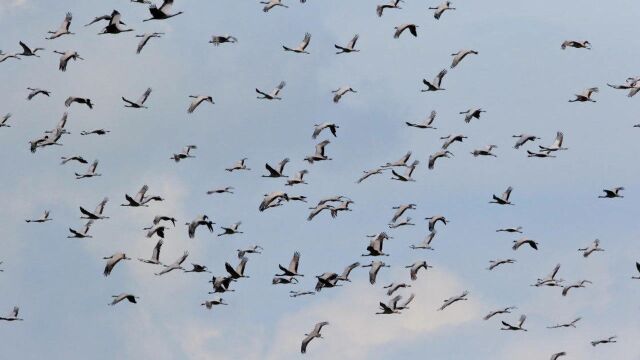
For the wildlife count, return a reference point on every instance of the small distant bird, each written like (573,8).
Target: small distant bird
(292,270)
(145,39)
(63,29)
(226,189)
(319,154)
(504,199)
(96,132)
(557,144)
(279,172)
(585,96)
(315,333)
(66,56)
(12,316)
(114,26)
(176,265)
(197,100)
(550,280)
(220,284)
(36,91)
(391,307)
(157,219)
(45,217)
(401,28)
(340,92)
(426,124)
(457,57)
(301,49)
(297,179)
(471,114)
(375,268)
(454,299)
(129,297)
(27,51)
(140,103)
(438,154)
(83,233)
(415,267)
(239,165)
(254,249)
(211,303)
(450,139)
(576,285)
(595,246)
(274,95)
(493,313)
(426,242)
(4,56)
(97,214)
(73,99)
(347,270)
(612,193)
(524,241)
(317,210)
(393,4)
(433,220)
(351,46)
(558,355)
(155,255)
(407,174)
(393,287)
(157,230)
(216,40)
(284,281)
(271,199)
(231,230)
(238,272)
(162,12)
(327,125)
(523,139)
(566,325)
(609,340)
(368,173)
(112,261)
(91,171)
(511,230)
(440,9)
(197,268)
(517,326)
(401,209)
(295,294)
(4,119)
(402,162)
(495,263)
(200,220)
(484,151)
(270,4)
(576,44)
(186,153)
(436,84)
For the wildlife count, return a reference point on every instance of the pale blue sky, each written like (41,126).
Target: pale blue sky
(521,77)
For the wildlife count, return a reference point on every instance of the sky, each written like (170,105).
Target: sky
(521,78)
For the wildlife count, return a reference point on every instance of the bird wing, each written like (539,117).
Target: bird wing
(413,30)
(352,43)
(281,165)
(507,193)
(231,270)
(155,255)
(166,6)
(438,79)
(293,265)
(144,96)
(305,41)
(305,342)
(140,195)
(521,320)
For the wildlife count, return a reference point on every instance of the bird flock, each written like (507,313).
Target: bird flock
(405,169)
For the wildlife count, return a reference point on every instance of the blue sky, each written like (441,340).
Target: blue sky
(521,77)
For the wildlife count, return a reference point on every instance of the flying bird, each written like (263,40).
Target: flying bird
(457,57)
(440,9)
(401,28)
(275,93)
(162,12)
(124,296)
(350,47)
(112,261)
(140,103)
(145,39)
(436,84)
(197,100)
(315,333)
(426,124)
(504,198)
(301,48)
(63,29)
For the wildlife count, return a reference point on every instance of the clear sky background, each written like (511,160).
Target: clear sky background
(521,77)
